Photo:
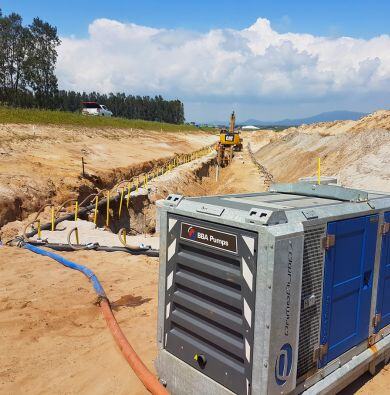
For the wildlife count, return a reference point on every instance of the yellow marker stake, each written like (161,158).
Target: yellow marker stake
(124,235)
(128,195)
(121,201)
(76,211)
(319,172)
(77,236)
(52,218)
(137,184)
(108,210)
(96,210)
(39,229)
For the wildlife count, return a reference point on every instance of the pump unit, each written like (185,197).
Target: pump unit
(279,292)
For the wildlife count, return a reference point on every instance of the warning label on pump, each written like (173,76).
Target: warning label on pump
(210,237)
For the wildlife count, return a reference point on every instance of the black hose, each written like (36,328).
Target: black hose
(96,247)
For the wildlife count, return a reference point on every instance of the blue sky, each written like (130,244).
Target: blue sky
(219,55)
(332,17)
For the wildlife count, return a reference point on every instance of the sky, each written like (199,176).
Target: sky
(267,60)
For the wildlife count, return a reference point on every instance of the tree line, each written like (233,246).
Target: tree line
(28,56)
(126,106)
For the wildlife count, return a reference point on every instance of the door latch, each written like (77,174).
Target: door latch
(328,241)
(320,352)
(385,228)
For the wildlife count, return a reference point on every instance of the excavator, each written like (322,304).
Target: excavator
(229,141)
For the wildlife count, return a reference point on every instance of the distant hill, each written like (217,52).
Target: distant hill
(323,117)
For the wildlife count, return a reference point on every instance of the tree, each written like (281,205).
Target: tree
(41,61)
(13,43)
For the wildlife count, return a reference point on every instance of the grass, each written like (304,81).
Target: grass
(47,117)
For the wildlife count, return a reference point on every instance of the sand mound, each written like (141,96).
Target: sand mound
(357,152)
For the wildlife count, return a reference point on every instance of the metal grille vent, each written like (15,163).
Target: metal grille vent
(312,279)
(210,305)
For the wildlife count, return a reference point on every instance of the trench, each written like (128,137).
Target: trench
(137,214)
(14,210)
(140,216)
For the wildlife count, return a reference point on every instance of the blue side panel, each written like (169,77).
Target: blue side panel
(348,276)
(383,300)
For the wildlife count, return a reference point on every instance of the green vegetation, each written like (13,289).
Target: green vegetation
(48,117)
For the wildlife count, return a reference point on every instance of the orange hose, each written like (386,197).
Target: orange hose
(148,379)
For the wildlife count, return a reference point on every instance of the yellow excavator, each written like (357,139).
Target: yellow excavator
(229,141)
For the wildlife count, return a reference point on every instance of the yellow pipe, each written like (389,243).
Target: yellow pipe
(128,195)
(52,219)
(108,210)
(39,229)
(96,210)
(121,201)
(319,171)
(76,211)
(77,236)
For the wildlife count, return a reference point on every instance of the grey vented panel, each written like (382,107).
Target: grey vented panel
(312,279)
(210,303)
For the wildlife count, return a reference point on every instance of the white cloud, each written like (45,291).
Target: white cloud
(256,62)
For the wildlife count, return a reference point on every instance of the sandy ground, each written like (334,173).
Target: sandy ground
(53,339)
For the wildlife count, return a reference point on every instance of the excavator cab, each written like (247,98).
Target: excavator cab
(229,141)
(231,138)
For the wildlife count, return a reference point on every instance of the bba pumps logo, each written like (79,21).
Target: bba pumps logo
(192,233)
(283,364)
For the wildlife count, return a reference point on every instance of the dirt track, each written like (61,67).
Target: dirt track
(53,338)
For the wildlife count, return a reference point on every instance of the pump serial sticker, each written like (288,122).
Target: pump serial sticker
(210,237)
